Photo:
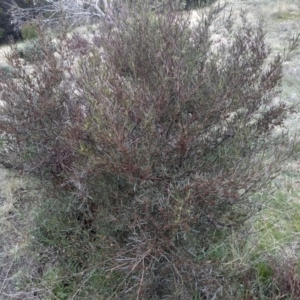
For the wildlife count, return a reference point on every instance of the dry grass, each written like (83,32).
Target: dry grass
(3,51)
(18,196)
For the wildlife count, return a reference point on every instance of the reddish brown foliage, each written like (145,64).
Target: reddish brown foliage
(165,133)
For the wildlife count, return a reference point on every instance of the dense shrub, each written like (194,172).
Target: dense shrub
(158,135)
(78,44)
(6,71)
(32,51)
(6,28)
(29,31)
(181,4)
(1,33)
(188,4)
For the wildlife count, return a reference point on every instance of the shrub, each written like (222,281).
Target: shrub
(78,44)
(285,274)
(159,137)
(158,5)
(6,72)
(188,4)
(29,31)
(1,33)
(32,51)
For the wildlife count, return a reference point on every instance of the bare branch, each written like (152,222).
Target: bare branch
(74,12)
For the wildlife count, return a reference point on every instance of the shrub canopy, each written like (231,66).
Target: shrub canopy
(159,131)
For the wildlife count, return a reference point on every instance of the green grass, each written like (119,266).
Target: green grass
(270,251)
